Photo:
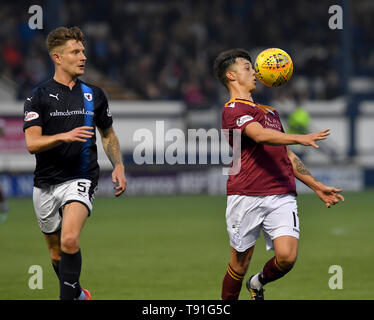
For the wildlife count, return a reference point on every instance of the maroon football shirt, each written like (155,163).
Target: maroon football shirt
(265,169)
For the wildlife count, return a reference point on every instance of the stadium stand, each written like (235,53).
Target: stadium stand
(163,50)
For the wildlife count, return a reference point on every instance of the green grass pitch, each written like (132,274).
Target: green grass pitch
(176,247)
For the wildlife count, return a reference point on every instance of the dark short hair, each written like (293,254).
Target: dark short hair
(61,35)
(225,60)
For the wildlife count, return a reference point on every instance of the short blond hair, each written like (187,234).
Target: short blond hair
(61,35)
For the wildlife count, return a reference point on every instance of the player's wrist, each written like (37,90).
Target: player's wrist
(316,186)
(300,139)
(60,137)
(119,166)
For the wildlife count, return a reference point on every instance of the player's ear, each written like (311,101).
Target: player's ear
(55,56)
(230,75)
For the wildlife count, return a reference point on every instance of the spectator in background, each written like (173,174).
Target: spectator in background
(298,121)
(120,33)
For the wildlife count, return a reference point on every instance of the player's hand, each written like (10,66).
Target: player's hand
(80,134)
(329,195)
(119,179)
(311,138)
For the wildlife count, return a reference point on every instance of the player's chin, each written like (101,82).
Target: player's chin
(80,71)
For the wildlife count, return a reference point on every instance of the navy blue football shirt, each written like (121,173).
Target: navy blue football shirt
(57,109)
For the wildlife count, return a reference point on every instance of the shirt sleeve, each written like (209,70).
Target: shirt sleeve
(103,116)
(240,115)
(32,111)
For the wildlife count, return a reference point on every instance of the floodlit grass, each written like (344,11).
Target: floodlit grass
(176,247)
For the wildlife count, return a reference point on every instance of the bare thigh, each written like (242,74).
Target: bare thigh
(74,217)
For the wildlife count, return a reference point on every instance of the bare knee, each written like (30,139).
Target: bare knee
(240,260)
(286,260)
(240,267)
(286,251)
(70,243)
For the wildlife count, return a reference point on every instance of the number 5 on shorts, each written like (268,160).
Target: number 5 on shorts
(82,187)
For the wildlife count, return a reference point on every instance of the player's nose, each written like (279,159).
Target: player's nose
(83,57)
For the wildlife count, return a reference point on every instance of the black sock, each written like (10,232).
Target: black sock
(56,267)
(70,269)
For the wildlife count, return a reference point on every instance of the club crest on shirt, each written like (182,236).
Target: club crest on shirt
(88,96)
(243,119)
(29,116)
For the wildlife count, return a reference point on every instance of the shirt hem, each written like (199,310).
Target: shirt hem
(260,193)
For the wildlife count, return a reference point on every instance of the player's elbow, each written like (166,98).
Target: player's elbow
(256,132)
(256,136)
(266,137)
(31,148)
(259,138)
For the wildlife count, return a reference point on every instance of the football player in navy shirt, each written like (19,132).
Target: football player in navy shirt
(60,120)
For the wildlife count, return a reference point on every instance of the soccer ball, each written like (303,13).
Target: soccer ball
(273,67)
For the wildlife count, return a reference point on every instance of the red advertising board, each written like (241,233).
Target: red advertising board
(12,138)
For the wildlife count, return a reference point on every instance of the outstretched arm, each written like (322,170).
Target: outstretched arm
(329,195)
(113,152)
(263,135)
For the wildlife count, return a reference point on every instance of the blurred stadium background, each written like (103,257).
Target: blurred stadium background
(154,61)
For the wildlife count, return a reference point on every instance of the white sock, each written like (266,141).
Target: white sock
(255,283)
